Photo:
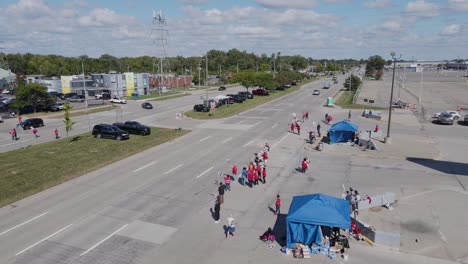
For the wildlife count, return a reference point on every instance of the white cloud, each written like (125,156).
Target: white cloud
(194,2)
(338,1)
(391,25)
(451,30)
(286,4)
(422,8)
(99,17)
(29,8)
(378,3)
(458,5)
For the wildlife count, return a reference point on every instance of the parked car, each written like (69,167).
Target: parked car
(68,95)
(247,95)
(134,127)
(465,120)
(335,81)
(455,114)
(228,100)
(287,86)
(32,122)
(222,88)
(260,91)
(109,131)
(201,108)
(5,91)
(118,100)
(76,98)
(237,98)
(57,107)
(280,88)
(316,92)
(146,105)
(446,118)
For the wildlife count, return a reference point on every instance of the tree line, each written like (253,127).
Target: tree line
(231,61)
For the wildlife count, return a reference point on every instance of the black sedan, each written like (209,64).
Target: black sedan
(222,88)
(146,105)
(201,108)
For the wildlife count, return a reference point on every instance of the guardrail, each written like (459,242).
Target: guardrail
(357,93)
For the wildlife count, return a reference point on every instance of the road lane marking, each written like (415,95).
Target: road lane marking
(203,139)
(277,143)
(147,165)
(37,243)
(203,173)
(102,241)
(248,143)
(171,170)
(257,123)
(274,125)
(13,228)
(226,140)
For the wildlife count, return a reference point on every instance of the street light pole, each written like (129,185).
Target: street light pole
(387,138)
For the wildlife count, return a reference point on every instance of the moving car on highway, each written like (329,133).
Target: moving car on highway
(446,118)
(117,100)
(316,92)
(32,123)
(201,108)
(146,105)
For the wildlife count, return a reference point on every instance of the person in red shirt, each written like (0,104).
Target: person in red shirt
(234,171)
(307,115)
(376,128)
(265,156)
(264,174)
(259,172)
(329,119)
(277,204)
(298,127)
(250,177)
(227,182)
(292,127)
(56,133)
(35,132)
(304,165)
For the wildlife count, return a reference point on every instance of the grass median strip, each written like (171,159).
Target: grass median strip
(345,100)
(171,96)
(233,109)
(25,172)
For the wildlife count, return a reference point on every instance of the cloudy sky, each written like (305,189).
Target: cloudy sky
(423,29)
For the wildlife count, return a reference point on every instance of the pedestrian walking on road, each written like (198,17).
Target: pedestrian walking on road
(227,182)
(264,174)
(244,176)
(234,171)
(329,119)
(318,130)
(255,177)
(20,118)
(298,127)
(303,116)
(250,175)
(221,192)
(292,127)
(265,157)
(12,133)
(307,115)
(326,117)
(304,165)
(35,132)
(376,128)
(231,227)
(217,210)
(56,134)
(278,204)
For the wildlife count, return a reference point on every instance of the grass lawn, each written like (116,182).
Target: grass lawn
(345,100)
(39,167)
(233,109)
(91,111)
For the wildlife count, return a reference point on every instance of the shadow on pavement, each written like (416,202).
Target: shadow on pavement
(448,167)
(280,229)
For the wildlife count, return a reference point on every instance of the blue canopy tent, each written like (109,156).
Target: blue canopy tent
(308,212)
(342,131)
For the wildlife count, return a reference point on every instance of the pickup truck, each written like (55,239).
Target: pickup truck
(102,96)
(134,127)
(260,92)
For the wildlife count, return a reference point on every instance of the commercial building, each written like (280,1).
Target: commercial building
(121,84)
(7,77)
(53,84)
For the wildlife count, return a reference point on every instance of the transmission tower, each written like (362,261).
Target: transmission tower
(159,34)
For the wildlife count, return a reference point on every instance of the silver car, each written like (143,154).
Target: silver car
(446,118)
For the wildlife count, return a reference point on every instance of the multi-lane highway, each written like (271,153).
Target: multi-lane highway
(132,208)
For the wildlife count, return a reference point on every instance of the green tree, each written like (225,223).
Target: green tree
(68,123)
(247,79)
(355,82)
(264,79)
(374,65)
(265,67)
(33,94)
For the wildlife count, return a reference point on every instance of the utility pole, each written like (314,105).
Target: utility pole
(199,75)
(206,79)
(420,87)
(387,138)
(84,84)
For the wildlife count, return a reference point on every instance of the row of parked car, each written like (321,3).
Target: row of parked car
(229,99)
